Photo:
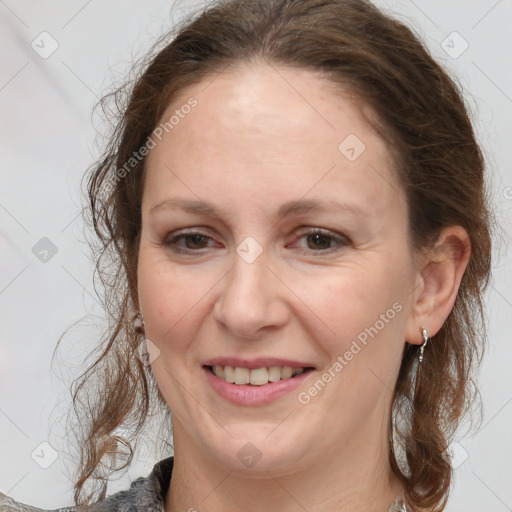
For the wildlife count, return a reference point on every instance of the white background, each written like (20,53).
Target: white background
(47,142)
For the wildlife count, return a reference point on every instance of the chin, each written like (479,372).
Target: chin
(253,454)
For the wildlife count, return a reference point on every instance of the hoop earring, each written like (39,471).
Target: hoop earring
(419,372)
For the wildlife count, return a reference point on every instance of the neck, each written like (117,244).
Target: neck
(340,480)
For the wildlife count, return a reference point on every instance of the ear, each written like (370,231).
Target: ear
(438,279)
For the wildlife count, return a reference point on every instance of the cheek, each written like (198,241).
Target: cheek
(365,314)
(358,309)
(171,297)
(347,298)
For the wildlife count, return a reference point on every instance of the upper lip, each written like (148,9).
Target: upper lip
(259,362)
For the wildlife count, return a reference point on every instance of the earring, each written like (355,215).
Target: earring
(138,322)
(426,337)
(419,372)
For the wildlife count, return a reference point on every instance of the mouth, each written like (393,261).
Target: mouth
(256,386)
(256,376)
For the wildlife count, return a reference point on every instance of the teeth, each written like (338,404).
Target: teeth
(286,372)
(274,373)
(219,371)
(257,376)
(229,373)
(242,376)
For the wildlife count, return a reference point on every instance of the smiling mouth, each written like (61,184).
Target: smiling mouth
(256,376)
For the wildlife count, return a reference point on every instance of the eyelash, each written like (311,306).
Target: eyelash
(171,243)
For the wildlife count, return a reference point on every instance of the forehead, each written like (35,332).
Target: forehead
(262,134)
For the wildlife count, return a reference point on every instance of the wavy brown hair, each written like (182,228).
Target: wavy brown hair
(420,112)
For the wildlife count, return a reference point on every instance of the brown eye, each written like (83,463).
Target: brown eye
(322,241)
(196,241)
(188,242)
(319,241)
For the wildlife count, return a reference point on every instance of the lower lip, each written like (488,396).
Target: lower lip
(247,394)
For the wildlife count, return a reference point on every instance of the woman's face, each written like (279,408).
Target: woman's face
(274,234)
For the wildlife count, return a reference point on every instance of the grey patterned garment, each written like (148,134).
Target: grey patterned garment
(146,494)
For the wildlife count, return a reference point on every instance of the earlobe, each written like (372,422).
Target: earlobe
(440,277)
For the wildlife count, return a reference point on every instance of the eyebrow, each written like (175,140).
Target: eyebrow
(291,207)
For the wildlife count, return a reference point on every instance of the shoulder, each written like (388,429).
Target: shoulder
(144,494)
(9,505)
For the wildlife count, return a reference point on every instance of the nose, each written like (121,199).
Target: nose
(251,301)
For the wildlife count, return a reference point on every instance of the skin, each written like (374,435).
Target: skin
(261,136)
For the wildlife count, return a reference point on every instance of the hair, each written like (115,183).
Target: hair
(420,112)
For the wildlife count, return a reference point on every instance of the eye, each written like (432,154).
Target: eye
(192,242)
(318,240)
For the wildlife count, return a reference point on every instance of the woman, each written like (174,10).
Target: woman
(295,198)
